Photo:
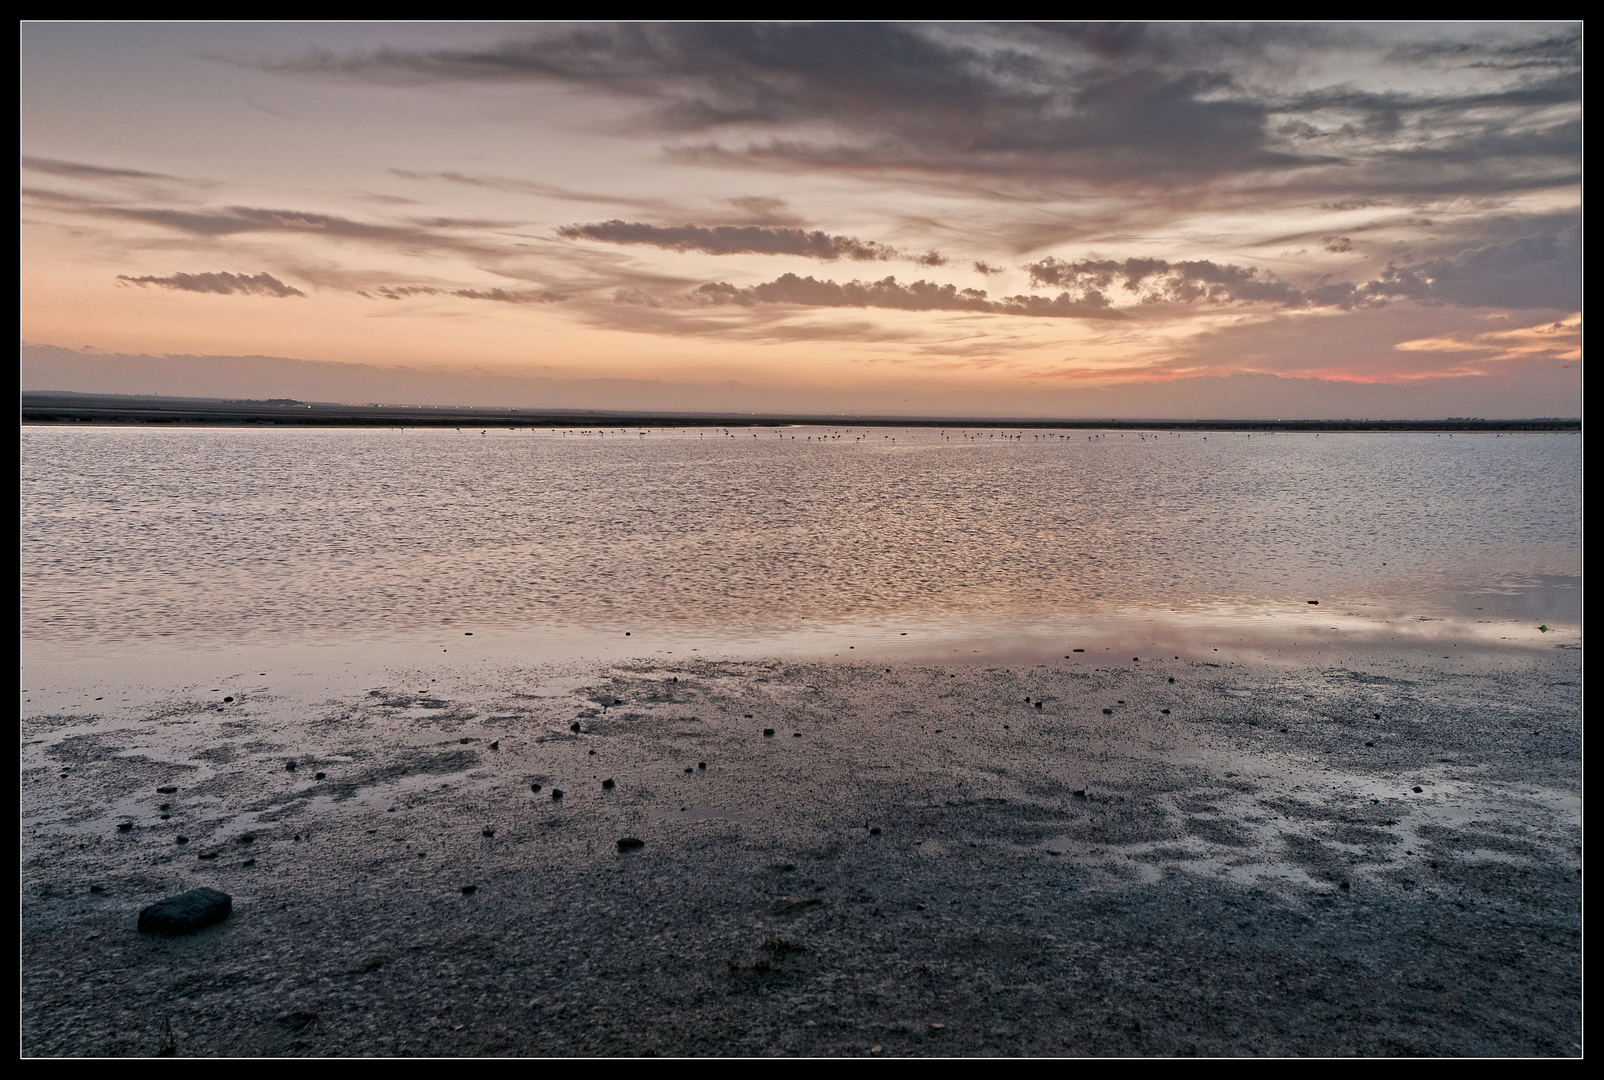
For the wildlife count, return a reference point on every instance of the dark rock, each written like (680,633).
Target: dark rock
(1370,744)
(1172,678)
(689,769)
(164,806)
(166,816)
(248,862)
(574,726)
(1342,884)
(245,838)
(1418,790)
(629,843)
(1108,712)
(1376,715)
(556,792)
(321,776)
(701,765)
(97,888)
(488,831)
(207,855)
(1079,793)
(608,783)
(1077,650)
(874,831)
(593,753)
(289,766)
(534,787)
(1038,704)
(465,741)
(124,826)
(747,715)
(1314,601)
(1166,712)
(469,890)
(186,912)
(796,734)
(768,731)
(167,790)
(228,699)
(496,745)
(183,839)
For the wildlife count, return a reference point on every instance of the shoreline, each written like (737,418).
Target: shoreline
(1046,881)
(73,409)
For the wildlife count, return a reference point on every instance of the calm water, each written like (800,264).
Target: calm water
(131,533)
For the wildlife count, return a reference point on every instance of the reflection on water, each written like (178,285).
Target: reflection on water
(284,534)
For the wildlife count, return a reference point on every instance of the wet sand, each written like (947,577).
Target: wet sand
(936,859)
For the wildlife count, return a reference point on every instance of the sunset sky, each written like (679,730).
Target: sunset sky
(1067,219)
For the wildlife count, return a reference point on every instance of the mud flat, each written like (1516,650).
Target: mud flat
(1379,857)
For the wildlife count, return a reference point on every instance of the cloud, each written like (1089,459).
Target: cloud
(916,296)
(79,170)
(1542,271)
(1561,340)
(1174,105)
(404,292)
(1337,245)
(982,267)
(744,239)
(227,284)
(1160,281)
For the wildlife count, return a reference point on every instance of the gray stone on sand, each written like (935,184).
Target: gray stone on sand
(186,912)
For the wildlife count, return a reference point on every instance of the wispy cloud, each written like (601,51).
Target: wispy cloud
(226,284)
(747,239)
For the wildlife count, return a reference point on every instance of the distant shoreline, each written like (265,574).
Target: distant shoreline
(64,408)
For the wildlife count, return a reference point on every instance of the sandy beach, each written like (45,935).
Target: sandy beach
(1101,855)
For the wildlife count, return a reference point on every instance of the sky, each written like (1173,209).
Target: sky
(1072,219)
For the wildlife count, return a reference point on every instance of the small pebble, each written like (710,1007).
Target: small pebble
(468,890)
(875,831)
(1418,790)
(609,782)
(796,734)
(488,831)
(701,765)
(1370,744)
(183,839)
(534,787)
(321,776)
(689,769)
(1108,712)
(1172,678)
(244,838)
(1342,885)
(167,790)
(556,792)
(97,888)
(248,862)
(1166,712)
(289,766)
(164,806)
(124,826)
(574,726)
(629,843)
(768,731)
(496,745)
(227,699)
